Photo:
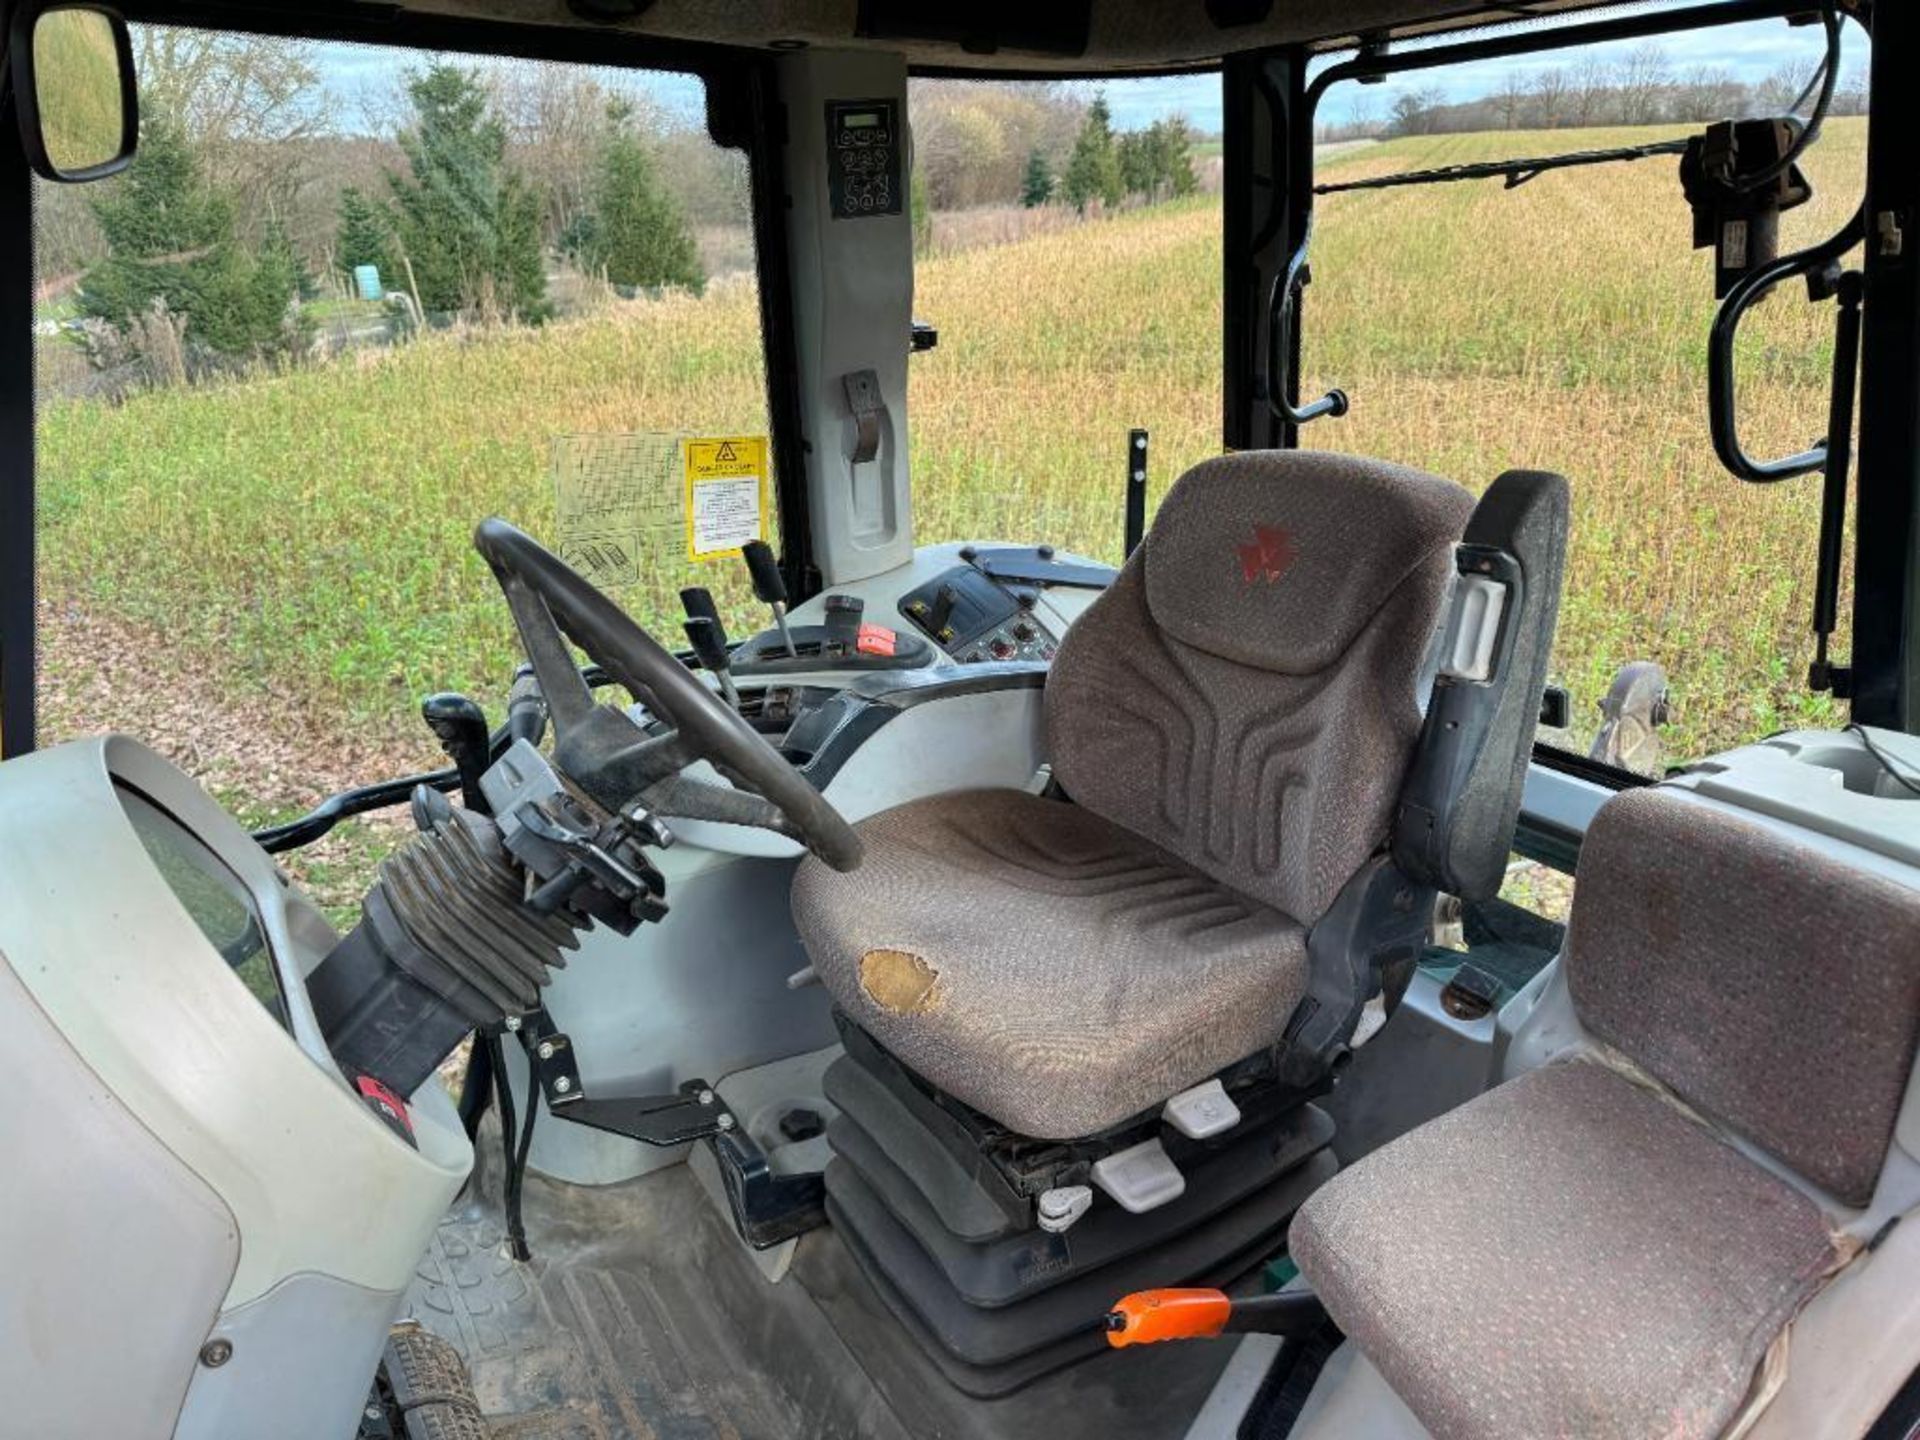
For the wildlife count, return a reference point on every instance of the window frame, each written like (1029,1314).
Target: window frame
(743,112)
(1270,107)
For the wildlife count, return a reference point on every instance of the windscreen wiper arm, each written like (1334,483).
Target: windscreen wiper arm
(1515,172)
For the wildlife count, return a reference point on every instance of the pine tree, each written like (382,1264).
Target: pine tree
(1135,153)
(1093,170)
(469,223)
(637,233)
(1172,146)
(1037,187)
(170,238)
(365,236)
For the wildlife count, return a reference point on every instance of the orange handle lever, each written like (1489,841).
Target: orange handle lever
(1147,1317)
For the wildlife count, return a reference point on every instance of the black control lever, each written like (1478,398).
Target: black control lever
(710,644)
(943,602)
(698,602)
(461,728)
(769,586)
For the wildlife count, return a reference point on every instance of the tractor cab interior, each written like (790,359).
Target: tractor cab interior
(891,1019)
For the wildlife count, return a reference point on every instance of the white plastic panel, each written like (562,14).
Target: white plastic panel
(113,1252)
(312,1179)
(853,302)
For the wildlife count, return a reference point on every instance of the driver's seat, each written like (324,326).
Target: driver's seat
(1233,724)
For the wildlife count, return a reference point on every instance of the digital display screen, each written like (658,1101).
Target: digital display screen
(860,120)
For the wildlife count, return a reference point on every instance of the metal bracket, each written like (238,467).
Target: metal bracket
(550,1054)
(863,400)
(695,1113)
(767,1208)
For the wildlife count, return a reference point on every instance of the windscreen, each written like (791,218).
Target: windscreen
(347,302)
(1561,324)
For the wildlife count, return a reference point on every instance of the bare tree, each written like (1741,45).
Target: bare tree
(1642,81)
(1850,95)
(1413,111)
(1775,94)
(1510,99)
(1361,119)
(1707,92)
(1589,91)
(1550,96)
(243,100)
(558,120)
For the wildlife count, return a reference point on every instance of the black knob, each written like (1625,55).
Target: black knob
(461,728)
(697,601)
(709,642)
(768,584)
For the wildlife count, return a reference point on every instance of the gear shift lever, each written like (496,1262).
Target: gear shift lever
(769,586)
(698,602)
(709,638)
(710,644)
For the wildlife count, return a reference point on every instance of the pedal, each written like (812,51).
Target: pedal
(1140,1178)
(1202,1112)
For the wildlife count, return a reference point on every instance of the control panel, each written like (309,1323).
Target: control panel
(863,158)
(974,617)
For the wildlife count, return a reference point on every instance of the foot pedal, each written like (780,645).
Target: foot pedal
(1140,1178)
(433,1396)
(1202,1112)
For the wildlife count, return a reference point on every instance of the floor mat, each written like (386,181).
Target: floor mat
(642,1317)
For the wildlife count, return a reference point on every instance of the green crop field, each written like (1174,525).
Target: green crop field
(294,547)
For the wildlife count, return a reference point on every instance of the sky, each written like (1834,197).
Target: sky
(356,74)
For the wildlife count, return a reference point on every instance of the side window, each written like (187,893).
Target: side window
(1562,324)
(1068,251)
(346,303)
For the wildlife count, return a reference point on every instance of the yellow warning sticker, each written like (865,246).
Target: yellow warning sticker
(726,493)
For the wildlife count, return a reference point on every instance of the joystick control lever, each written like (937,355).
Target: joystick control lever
(698,602)
(769,586)
(710,644)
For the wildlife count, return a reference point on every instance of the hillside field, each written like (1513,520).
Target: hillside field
(296,544)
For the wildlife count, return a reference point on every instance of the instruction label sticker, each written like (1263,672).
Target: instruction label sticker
(726,493)
(617,505)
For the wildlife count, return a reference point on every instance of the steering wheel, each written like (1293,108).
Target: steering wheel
(611,758)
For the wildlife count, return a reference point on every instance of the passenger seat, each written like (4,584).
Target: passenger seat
(1615,1243)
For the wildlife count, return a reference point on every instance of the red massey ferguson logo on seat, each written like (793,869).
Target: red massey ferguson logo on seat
(1268,557)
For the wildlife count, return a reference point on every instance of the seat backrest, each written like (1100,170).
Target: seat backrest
(1246,694)
(1769,985)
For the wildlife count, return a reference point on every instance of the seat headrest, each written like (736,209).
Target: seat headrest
(1278,558)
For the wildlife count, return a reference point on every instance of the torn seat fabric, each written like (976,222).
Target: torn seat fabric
(1043,965)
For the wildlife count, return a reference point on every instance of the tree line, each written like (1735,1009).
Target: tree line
(1642,87)
(984,143)
(191,251)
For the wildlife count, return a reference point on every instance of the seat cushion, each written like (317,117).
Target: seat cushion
(1049,968)
(1568,1255)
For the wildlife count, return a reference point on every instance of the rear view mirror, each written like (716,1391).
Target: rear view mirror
(74,90)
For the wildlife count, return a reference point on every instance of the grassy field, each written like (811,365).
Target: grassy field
(303,537)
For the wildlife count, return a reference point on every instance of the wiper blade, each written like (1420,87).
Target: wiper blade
(1515,172)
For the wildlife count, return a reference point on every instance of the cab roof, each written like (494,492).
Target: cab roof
(1052,37)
